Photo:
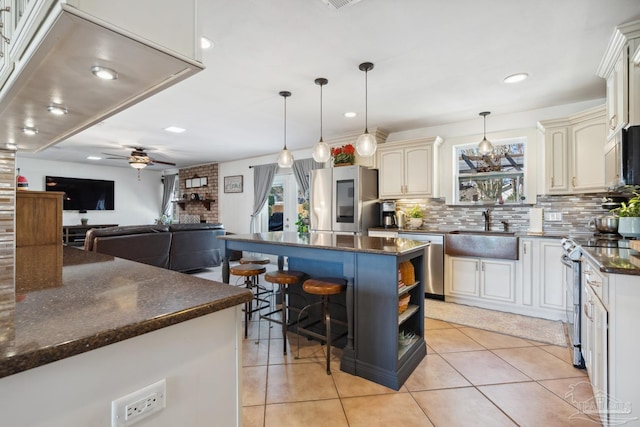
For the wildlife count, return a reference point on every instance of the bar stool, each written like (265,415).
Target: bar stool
(249,272)
(324,288)
(283,278)
(255,260)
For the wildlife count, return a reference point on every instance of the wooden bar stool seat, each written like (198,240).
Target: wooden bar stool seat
(323,288)
(283,278)
(254,260)
(250,272)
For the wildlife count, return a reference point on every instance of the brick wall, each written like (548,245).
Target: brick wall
(209,192)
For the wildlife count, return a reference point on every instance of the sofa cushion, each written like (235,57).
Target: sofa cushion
(149,248)
(124,230)
(198,226)
(194,248)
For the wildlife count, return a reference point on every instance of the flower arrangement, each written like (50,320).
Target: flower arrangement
(344,154)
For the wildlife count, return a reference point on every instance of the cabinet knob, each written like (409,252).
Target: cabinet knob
(612,122)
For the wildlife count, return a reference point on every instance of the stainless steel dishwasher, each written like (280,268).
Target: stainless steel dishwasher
(433,263)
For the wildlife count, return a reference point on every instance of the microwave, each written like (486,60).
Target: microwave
(622,159)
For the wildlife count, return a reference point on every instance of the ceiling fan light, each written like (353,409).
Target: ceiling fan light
(138,164)
(366,144)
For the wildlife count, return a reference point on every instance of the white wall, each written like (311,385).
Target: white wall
(136,202)
(235,209)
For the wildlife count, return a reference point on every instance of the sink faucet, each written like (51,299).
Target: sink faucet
(505,225)
(487,219)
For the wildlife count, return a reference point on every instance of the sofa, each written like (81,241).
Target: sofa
(179,247)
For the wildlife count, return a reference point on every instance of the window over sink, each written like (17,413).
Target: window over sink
(496,178)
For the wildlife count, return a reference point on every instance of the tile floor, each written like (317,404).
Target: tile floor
(470,377)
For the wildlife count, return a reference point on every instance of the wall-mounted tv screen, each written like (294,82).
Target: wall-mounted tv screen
(82,194)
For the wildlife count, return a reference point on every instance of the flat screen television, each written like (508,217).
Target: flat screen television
(82,194)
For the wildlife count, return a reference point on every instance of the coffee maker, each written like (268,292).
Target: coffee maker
(388,214)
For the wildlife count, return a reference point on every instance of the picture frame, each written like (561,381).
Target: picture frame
(188,183)
(233,184)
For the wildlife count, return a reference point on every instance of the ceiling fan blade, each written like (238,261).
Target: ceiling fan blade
(115,155)
(115,158)
(162,163)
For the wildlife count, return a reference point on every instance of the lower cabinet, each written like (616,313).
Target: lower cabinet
(483,280)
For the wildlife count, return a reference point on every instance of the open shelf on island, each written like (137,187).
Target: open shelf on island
(402,317)
(404,289)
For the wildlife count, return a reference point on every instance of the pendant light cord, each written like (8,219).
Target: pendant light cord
(285,122)
(321,112)
(366,101)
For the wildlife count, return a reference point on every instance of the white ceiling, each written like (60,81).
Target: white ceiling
(436,62)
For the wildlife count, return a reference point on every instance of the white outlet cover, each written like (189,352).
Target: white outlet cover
(140,404)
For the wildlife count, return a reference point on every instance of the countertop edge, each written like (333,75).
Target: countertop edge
(42,356)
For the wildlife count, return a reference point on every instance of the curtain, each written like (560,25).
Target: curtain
(167,193)
(302,169)
(262,181)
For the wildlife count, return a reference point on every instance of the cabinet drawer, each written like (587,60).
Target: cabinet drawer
(597,282)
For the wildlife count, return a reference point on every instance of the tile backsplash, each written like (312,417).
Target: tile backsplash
(572,213)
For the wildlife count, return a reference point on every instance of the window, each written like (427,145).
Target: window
(494,178)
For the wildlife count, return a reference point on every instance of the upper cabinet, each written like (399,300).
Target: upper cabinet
(574,152)
(150,44)
(408,169)
(622,77)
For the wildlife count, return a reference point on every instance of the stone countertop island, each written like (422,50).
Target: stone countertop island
(89,328)
(371,267)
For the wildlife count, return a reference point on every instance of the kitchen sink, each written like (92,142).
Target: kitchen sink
(482,243)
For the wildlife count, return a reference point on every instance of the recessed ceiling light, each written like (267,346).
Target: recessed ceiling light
(11,146)
(58,110)
(350,114)
(515,78)
(205,43)
(30,130)
(104,72)
(94,158)
(174,129)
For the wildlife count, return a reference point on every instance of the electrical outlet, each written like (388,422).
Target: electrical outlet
(128,410)
(553,216)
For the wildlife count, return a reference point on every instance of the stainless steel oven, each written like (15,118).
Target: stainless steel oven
(573,285)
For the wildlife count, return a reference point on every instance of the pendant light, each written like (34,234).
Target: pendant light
(285,158)
(366,143)
(321,152)
(485,147)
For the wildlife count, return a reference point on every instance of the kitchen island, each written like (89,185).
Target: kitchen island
(370,266)
(91,328)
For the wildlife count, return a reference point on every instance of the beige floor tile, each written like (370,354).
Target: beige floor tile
(308,414)
(254,385)
(255,353)
(449,340)
(530,404)
(538,364)
(562,353)
(436,324)
(492,340)
(434,372)
(398,409)
(430,350)
(351,386)
(484,367)
(310,350)
(460,407)
(253,416)
(299,382)
(576,391)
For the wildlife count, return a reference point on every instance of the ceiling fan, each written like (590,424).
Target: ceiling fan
(138,159)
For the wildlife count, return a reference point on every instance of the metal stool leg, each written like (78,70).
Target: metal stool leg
(327,320)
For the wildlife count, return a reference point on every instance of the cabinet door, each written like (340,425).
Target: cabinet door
(588,140)
(617,90)
(556,148)
(551,273)
(464,276)
(498,280)
(527,273)
(599,348)
(391,176)
(586,329)
(419,171)
(612,163)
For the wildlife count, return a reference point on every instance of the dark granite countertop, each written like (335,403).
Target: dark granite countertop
(87,300)
(446,230)
(332,241)
(614,260)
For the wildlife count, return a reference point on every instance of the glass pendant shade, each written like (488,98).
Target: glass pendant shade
(485,147)
(285,158)
(366,144)
(321,152)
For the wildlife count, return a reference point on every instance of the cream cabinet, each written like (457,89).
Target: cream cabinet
(617,67)
(488,281)
(573,152)
(408,169)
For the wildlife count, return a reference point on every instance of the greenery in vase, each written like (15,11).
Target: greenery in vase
(415,212)
(344,154)
(630,208)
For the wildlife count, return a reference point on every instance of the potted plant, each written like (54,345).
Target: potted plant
(345,155)
(415,216)
(84,220)
(629,216)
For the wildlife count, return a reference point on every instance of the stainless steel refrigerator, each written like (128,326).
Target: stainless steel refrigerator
(344,199)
